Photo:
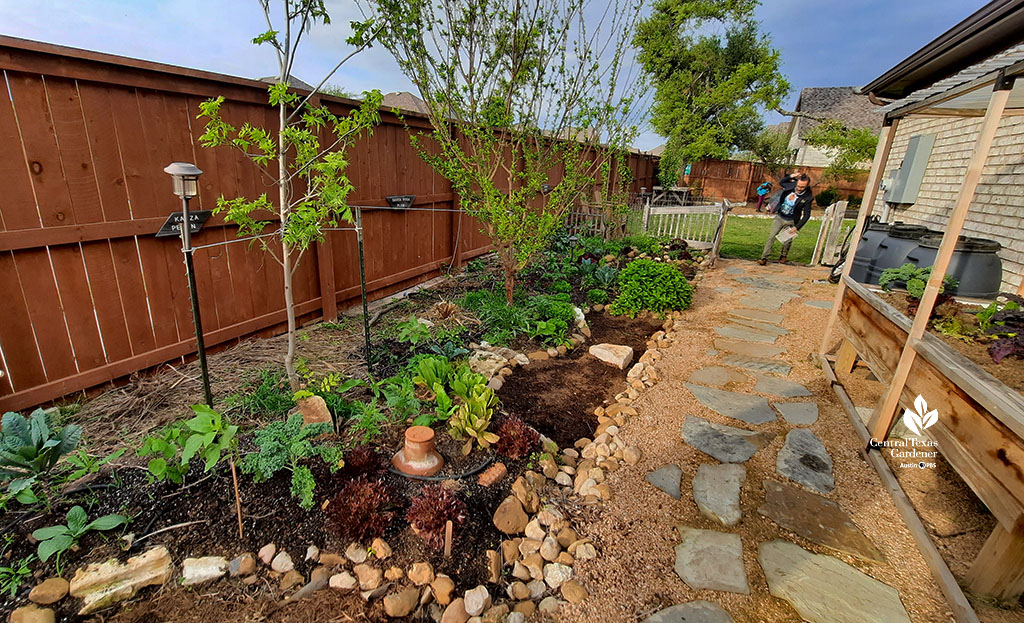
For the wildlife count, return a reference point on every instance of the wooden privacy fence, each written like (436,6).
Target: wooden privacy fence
(737,180)
(90,295)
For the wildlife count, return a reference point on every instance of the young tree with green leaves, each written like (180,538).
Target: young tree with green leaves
(710,88)
(770,147)
(530,105)
(848,148)
(312,188)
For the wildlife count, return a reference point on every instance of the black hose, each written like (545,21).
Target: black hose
(472,472)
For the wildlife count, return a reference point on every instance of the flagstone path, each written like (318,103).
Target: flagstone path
(819,588)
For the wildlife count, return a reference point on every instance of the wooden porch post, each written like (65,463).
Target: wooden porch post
(867,204)
(883,416)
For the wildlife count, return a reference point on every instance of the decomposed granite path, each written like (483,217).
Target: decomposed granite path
(751,503)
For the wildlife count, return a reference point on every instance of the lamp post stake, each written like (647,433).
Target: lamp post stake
(186,249)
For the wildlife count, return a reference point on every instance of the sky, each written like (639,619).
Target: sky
(823,42)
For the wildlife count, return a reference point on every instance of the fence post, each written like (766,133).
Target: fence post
(647,213)
(716,248)
(826,220)
(833,241)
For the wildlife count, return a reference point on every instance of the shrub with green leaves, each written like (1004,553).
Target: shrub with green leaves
(60,538)
(285,446)
(502,321)
(561,286)
(208,435)
(413,331)
(30,448)
(646,285)
(597,296)
(913,278)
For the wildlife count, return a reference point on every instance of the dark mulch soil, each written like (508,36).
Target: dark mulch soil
(558,396)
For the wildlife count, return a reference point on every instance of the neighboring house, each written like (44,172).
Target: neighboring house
(839,103)
(986,42)
(404,100)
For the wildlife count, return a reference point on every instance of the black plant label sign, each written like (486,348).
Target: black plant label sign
(172,226)
(403,202)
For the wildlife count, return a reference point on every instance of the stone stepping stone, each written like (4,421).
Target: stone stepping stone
(804,459)
(711,560)
(762,304)
(757,364)
(817,519)
(780,387)
(716,376)
(716,490)
(739,332)
(768,283)
(691,612)
(821,304)
(798,413)
(735,270)
(823,589)
(724,443)
(744,407)
(748,349)
(777,295)
(667,478)
(770,329)
(755,314)
(724,290)
(711,352)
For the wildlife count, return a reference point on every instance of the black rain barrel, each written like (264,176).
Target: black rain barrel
(867,248)
(893,249)
(974,264)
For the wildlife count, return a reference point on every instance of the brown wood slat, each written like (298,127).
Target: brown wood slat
(75,156)
(24,363)
(37,282)
(18,203)
(106,296)
(78,307)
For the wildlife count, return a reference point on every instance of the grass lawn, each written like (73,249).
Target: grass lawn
(744,238)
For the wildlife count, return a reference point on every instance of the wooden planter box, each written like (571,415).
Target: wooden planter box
(980,429)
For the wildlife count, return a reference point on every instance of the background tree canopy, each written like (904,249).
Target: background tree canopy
(710,88)
(849,148)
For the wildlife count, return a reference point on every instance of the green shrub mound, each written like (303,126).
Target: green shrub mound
(652,286)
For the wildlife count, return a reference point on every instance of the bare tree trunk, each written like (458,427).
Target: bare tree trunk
(286,250)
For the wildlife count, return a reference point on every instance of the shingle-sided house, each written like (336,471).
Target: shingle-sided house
(839,103)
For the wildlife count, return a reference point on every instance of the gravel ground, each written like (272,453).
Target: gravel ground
(635,531)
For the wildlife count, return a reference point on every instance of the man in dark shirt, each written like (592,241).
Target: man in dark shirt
(792,211)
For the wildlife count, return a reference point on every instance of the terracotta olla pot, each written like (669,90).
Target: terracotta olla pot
(418,457)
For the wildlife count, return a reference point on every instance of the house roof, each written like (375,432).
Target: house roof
(840,103)
(989,30)
(406,101)
(293,82)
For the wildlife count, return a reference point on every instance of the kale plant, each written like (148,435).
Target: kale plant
(285,446)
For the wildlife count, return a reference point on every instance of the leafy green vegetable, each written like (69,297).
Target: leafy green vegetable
(413,331)
(55,540)
(652,286)
(283,446)
(30,448)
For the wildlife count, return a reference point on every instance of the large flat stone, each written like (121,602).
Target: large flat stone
(804,459)
(757,364)
(716,490)
(766,293)
(819,304)
(711,560)
(725,443)
(768,283)
(763,327)
(817,519)
(798,413)
(613,354)
(748,349)
(780,387)
(761,303)
(734,270)
(755,314)
(739,332)
(743,407)
(667,478)
(823,589)
(691,612)
(724,290)
(716,376)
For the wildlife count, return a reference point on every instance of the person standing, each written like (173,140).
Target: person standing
(792,211)
(762,194)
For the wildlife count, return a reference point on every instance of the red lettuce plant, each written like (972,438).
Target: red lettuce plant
(364,509)
(431,510)
(515,438)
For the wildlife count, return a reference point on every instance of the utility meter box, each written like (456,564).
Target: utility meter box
(905,182)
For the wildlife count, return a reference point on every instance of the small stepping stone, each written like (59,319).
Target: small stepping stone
(804,459)
(740,332)
(711,560)
(724,443)
(724,290)
(817,519)
(757,364)
(716,376)
(748,349)
(770,329)
(823,589)
(755,314)
(768,283)
(762,304)
(776,295)
(744,407)
(734,270)
(821,304)
(798,413)
(667,478)
(691,612)
(780,387)
(716,490)
(711,352)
